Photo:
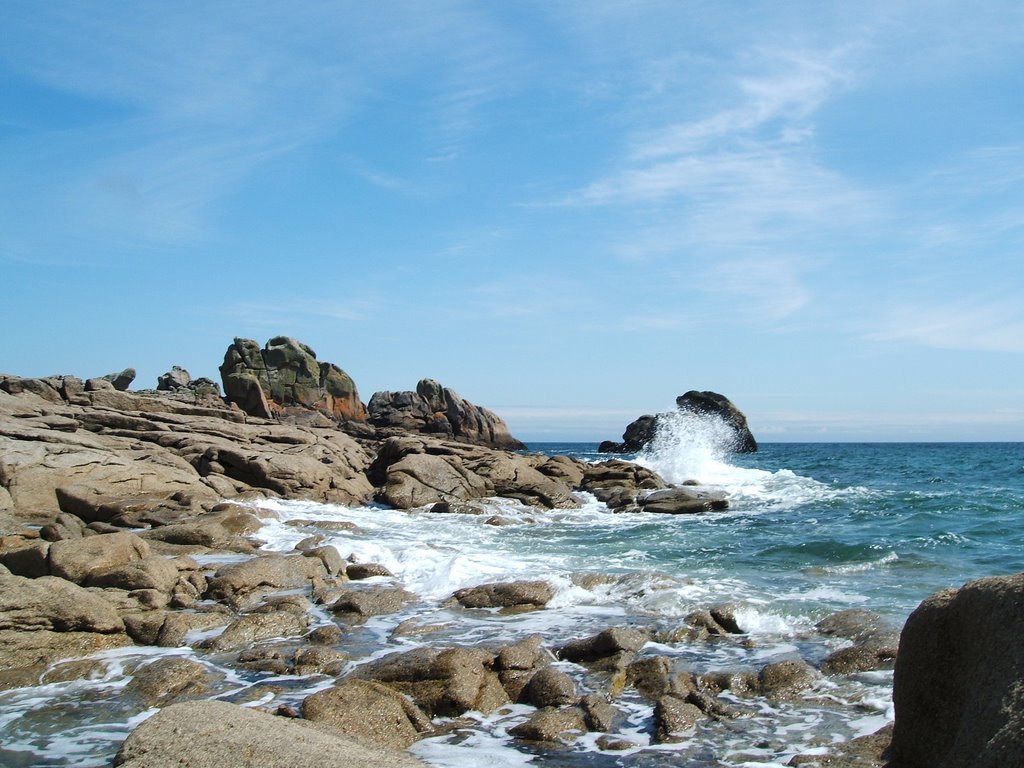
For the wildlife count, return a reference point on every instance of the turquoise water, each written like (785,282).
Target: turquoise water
(884,524)
(811,529)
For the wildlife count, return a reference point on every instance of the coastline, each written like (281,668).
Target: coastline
(300,612)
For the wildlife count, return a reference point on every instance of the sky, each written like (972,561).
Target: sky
(569,212)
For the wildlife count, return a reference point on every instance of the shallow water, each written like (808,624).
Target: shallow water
(812,528)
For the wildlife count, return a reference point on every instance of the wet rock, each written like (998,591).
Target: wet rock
(232,736)
(551,725)
(168,680)
(528,653)
(253,628)
(599,714)
(957,686)
(360,604)
(619,474)
(329,556)
(683,501)
(25,656)
(550,687)
(785,679)
(226,529)
(359,571)
(369,712)
(443,682)
(604,644)
(875,642)
(506,595)
(674,720)
(243,583)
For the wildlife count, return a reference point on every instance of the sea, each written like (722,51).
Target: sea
(811,529)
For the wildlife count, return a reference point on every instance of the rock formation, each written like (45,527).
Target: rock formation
(436,410)
(286,375)
(704,404)
(958,688)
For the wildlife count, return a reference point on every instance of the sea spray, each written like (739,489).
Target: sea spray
(689,446)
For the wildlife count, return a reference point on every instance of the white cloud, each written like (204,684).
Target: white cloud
(967,324)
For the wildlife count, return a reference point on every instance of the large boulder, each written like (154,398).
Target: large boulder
(444,682)
(368,711)
(437,410)
(958,688)
(285,375)
(644,430)
(216,734)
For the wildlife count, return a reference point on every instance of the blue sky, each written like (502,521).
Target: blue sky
(569,212)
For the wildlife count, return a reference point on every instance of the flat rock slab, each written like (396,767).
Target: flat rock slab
(216,734)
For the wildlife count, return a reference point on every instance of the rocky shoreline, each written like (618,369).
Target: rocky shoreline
(132,519)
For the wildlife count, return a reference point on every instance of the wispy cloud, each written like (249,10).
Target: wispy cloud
(970,324)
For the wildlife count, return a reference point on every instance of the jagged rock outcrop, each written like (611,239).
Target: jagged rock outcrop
(436,410)
(643,431)
(958,687)
(286,375)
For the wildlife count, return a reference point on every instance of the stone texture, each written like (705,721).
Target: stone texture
(369,712)
(506,595)
(286,375)
(958,687)
(215,734)
(436,410)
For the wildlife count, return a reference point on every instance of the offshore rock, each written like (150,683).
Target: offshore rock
(958,687)
(643,431)
(285,375)
(436,410)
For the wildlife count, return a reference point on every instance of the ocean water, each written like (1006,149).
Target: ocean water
(811,529)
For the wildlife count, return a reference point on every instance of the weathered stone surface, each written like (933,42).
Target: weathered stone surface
(674,720)
(606,643)
(437,410)
(168,680)
(375,601)
(785,679)
(551,725)
(255,627)
(683,500)
(550,687)
(360,571)
(442,681)
(25,656)
(176,378)
(875,642)
(285,375)
(958,687)
(368,712)
(419,479)
(76,559)
(121,381)
(51,603)
(150,572)
(215,734)
(506,595)
(238,584)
